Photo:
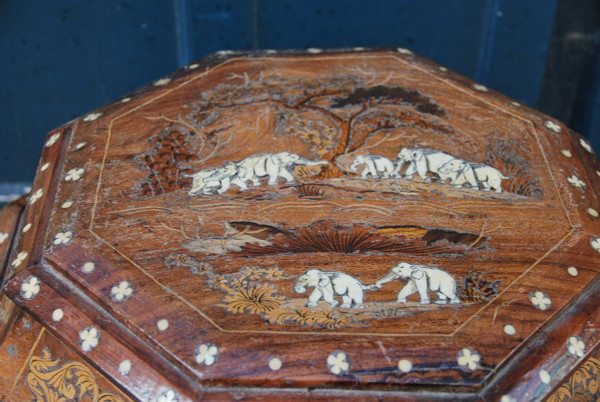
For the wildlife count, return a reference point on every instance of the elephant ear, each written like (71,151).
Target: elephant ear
(417,155)
(324,281)
(417,273)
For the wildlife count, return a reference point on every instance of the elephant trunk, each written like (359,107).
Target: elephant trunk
(299,289)
(388,278)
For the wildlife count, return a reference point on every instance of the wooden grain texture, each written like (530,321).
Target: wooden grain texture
(360,224)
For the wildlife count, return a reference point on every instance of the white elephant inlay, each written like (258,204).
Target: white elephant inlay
(374,165)
(329,284)
(422,161)
(422,279)
(473,174)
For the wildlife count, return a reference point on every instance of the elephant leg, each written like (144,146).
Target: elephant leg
(406,291)
(346,301)
(314,298)
(286,175)
(225,184)
(328,296)
(365,173)
(410,171)
(422,171)
(240,183)
(422,287)
(442,299)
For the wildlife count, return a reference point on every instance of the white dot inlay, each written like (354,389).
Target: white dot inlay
(66,204)
(516,104)
(566,153)
(313,50)
(275,364)
(592,212)
(125,100)
(58,314)
(405,365)
(44,166)
(26,228)
(88,267)
(586,145)
(442,68)
(162,82)
(79,146)
(125,367)
(479,87)
(545,376)
(509,329)
(3,237)
(162,324)
(92,116)
(193,66)
(572,271)
(550,125)
(52,140)
(403,50)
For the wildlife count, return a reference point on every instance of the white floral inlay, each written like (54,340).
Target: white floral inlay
(442,68)
(45,166)
(74,174)
(19,259)
(405,365)
(550,125)
(507,398)
(468,359)
(359,49)
(89,338)
(566,153)
(479,87)
(575,346)
(169,396)
(275,363)
(404,50)
(30,287)
(66,204)
(58,314)
(544,376)
(515,104)
(3,237)
(26,228)
(207,354)
(314,50)
(592,212)
(125,367)
(193,66)
(338,363)
(121,291)
(63,237)
(540,300)
(52,140)
(576,181)
(92,116)
(572,271)
(125,100)
(162,82)
(595,243)
(586,145)
(79,146)
(36,196)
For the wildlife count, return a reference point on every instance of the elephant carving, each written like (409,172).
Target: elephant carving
(255,167)
(422,279)
(474,173)
(422,161)
(219,179)
(374,165)
(329,284)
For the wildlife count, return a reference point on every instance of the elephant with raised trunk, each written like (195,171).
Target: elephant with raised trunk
(422,279)
(274,166)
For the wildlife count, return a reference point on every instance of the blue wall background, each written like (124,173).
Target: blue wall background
(63,58)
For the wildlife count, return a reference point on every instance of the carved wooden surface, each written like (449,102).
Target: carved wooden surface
(365,222)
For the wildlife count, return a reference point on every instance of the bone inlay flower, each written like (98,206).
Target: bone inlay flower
(550,125)
(468,359)
(207,354)
(168,396)
(338,363)
(30,287)
(121,292)
(19,259)
(74,174)
(540,300)
(89,338)
(575,346)
(576,181)
(36,196)
(63,237)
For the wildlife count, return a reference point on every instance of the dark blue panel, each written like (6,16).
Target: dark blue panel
(448,32)
(221,25)
(517,39)
(61,59)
